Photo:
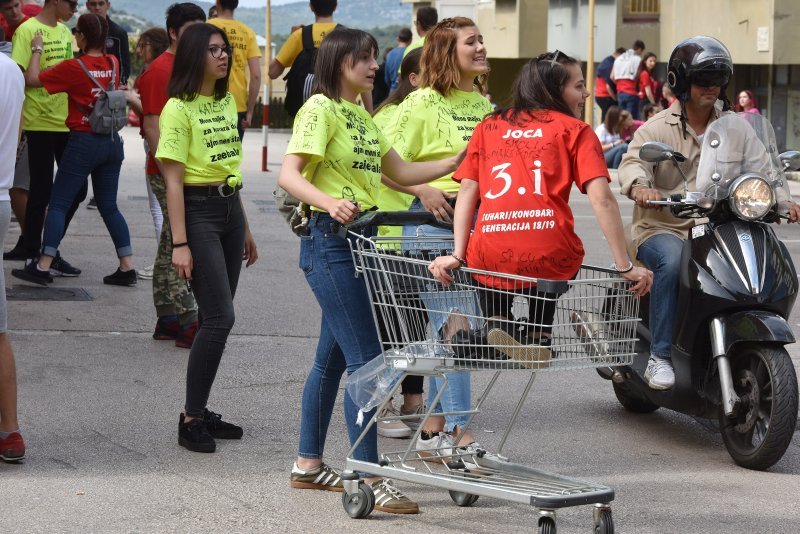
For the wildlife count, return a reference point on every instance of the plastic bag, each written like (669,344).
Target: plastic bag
(371,383)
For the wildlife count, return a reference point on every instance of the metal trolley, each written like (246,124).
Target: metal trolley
(489,322)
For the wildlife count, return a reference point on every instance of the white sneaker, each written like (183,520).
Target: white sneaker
(471,454)
(419,411)
(659,373)
(438,447)
(146,273)
(393,429)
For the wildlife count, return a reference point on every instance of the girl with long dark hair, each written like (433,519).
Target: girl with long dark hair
(538,145)
(334,163)
(200,152)
(646,81)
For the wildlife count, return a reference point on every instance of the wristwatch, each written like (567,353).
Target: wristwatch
(35,49)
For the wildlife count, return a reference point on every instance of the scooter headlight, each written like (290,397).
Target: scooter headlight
(751,197)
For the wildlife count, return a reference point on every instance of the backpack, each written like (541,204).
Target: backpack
(110,111)
(300,77)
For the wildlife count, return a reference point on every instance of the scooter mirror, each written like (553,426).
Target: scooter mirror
(790,159)
(654,151)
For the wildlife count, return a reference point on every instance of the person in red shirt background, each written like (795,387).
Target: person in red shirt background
(521,164)
(176,309)
(86,152)
(646,82)
(13,13)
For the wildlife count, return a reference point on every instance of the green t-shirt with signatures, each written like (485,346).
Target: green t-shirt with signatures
(428,126)
(390,199)
(201,134)
(43,112)
(344,148)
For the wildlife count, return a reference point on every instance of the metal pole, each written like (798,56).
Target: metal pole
(590,67)
(267,89)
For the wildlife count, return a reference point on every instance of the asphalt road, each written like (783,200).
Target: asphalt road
(99,403)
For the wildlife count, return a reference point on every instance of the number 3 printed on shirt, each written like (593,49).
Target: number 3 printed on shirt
(499,173)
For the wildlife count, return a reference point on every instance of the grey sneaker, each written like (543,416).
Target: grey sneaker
(419,411)
(393,429)
(323,477)
(390,499)
(659,373)
(529,356)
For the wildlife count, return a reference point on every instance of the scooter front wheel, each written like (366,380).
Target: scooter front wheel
(759,432)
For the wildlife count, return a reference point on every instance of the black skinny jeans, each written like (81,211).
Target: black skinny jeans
(44,149)
(215,230)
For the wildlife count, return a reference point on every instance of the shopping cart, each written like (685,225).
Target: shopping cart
(489,322)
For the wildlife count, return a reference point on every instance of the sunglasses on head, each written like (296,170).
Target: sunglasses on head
(711,78)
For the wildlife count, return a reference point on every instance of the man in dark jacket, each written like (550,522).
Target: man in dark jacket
(117,42)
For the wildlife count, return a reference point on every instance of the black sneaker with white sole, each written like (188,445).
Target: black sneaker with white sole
(121,278)
(31,273)
(61,267)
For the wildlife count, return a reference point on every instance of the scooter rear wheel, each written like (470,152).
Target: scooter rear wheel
(760,431)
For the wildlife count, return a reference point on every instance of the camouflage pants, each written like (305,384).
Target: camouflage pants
(171,295)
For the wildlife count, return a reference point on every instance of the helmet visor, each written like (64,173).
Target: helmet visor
(712,78)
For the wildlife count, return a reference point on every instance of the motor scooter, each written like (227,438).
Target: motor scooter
(737,288)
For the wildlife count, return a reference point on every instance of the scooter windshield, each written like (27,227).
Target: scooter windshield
(736,144)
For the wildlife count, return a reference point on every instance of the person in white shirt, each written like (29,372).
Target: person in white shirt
(624,76)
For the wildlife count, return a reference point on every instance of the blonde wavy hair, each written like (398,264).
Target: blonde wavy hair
(439,62)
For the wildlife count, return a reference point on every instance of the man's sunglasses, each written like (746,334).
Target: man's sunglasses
(711,79)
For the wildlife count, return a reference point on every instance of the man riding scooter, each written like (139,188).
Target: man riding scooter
(699,71)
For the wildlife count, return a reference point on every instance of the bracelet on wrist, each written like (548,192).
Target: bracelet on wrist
(35,49)
(627,269)
(462,261)
(179,245)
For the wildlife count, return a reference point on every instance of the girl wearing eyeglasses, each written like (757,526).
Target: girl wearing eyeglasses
(200,152)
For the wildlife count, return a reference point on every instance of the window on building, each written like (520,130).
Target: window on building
(641,11)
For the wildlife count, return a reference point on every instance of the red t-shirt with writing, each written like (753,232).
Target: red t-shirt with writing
(68,77)
(525,173)
(152,85)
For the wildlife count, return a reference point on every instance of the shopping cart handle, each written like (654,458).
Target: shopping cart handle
(390,218)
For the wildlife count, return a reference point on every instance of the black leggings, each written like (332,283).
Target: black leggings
(215,230)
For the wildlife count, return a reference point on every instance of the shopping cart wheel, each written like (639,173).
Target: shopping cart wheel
(360,504)
(463,499)
(603,522)
(547,525)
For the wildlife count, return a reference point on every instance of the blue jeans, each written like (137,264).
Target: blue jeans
(614,156)
(348,338)
(458,395)
(215,230)
(662,255)
(629,102)
(85,154)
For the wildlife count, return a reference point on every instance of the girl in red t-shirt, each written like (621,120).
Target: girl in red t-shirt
(521,164)
(86,153)
(646,82)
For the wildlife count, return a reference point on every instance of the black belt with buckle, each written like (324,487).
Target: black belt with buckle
(221,190)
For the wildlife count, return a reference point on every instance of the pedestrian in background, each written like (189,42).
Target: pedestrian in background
(624,76)
(333,133)
(86,152)
(44,124)
(12,94)
(152,43)
(605,91)
(646,81)
(210,234)
(427,17)
(746,102)
(176,309)
(381,89)
(246,62)
(395,57)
